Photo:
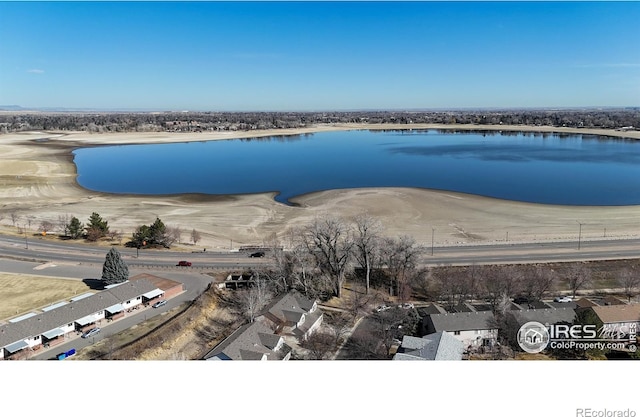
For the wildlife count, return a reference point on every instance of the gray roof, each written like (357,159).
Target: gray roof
(250,342)
(436,346)
(544,315)
(290,307)
(68,313)
(450,322)
(464,308)
(432,309)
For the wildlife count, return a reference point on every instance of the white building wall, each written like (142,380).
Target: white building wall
(132,303)
(474,337)
(34,341)
(68,328)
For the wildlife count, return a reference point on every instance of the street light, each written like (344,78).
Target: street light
(579,234)
(433,230)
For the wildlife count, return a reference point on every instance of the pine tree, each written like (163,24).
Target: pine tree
(97,227)
(114,269)
(75,227)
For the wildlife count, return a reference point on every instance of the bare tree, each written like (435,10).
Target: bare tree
(320,344)
(175,232)
(366,243)
(500,284)
(400,257)
(578,277)
(254,298)
(629,280)
(327,239)
(45,226)
(63,224)
(14,217)
(456,288)
(539,282)
(114,235)
(195,236)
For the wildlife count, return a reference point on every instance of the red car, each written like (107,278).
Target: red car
(184,263)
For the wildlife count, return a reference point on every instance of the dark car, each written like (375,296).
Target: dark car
(522,300)
(184,263)
(256,255)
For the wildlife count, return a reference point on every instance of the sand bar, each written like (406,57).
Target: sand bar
(38,182)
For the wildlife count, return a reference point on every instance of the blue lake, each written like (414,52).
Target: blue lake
(549,168)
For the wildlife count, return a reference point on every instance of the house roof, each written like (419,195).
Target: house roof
(585,302)
(618,313)
(544,315)
(290,307)
(450,322)
(432,309)
(611,300)
(68,313)
(436,346)
(464,308)
(250,342)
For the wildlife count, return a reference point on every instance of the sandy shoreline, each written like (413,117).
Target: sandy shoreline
(38,182)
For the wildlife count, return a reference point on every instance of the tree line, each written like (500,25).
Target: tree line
(614,118)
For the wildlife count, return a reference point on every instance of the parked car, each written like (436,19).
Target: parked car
(406,306)
(91,332)
(381,308)
(256,255)
(522,300)
(159,304)
(184,263)
(564,299)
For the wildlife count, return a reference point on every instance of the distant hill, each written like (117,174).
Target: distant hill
(11,107)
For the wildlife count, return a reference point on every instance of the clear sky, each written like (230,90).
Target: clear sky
(299,56)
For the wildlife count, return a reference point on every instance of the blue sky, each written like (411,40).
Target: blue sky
(299,56)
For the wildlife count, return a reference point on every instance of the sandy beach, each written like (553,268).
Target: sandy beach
(38,182)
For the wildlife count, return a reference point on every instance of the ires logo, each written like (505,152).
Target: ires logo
(572,331)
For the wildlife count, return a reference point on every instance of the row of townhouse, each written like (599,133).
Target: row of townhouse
(53,325)
(476,327)
(291,317)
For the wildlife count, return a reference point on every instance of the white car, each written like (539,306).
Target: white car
(407,306)
(382,308)
(565,299)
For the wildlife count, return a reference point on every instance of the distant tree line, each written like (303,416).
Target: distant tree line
(614,118)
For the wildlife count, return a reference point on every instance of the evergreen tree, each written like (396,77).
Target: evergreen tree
(75,228)
(97,227)
(114,269)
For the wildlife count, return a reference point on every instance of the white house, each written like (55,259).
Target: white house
(473,329)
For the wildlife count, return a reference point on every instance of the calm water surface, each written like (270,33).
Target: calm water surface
(550,169)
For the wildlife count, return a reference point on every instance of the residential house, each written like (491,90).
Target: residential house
(473,329)
(253,341)
(619,320)
(293,314)
(434,347)
(290,316)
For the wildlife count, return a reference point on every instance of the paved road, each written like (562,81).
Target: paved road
(42,250)
(63,252)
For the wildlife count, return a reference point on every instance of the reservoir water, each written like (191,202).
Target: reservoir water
(538,168)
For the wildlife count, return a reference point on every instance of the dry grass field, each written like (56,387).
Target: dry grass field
(20,293)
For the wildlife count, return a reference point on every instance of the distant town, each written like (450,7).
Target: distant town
(14,119)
